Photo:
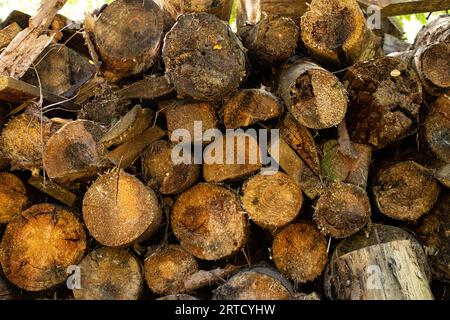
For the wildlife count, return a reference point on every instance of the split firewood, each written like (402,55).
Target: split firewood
(20,54)
(272,201)
(13,196)
(258,283)
(75,153)
(219,8)
(8,33)
(272,39)
(150,88)
(185,115)
(436,129)
(23,139)
(203,278)
(231,158)
(119,210)
(61,70)
(134,123)
(299,251)
(54,190)
(167,268)
(438,30)
(342,210)
(109,274)
(204,59)
(302,141)
(39,245)
(127,153)
(339,167)
(250,106)
(128,36)
(170,177)
(335,33)
(380,263)
(433,230)
(385,96)
(289,161)
(313,95)
(405,190)
(293,9)
(209,222)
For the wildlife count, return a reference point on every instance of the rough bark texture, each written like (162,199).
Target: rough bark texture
(39,245)
(314,96)
(385,96)
(219,8)
(204,59)
(209,222)
(109,274)
(382,263)
(436,129)
(438,30)
(405,191)
(13,197)
(119,210)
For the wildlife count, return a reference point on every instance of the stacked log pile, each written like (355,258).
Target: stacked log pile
(95,204)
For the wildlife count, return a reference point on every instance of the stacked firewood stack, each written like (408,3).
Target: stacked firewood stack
(93,204)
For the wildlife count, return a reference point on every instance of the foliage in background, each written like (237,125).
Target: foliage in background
(411,24)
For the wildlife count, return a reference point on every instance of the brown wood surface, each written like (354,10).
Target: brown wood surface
(402,7)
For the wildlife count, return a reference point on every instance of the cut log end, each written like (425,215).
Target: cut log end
(13,197)
(167,268)
(272,201)
(433,66)
(300,252)
(209,222)
(405,191)
(109,274)
(342,210)
(219,8)
(119,210)
(39,245)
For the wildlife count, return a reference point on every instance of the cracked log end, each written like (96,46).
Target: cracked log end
(342,210)
(209,222)
(167,268)
(255,284)
(39,245)
(405,191)
(110,274)
(120,210)
(300,252)
(204,59)
(13,197)
(272,201)
(128,36)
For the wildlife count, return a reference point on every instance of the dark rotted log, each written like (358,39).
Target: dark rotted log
(204,59)
(385,97)
(299,251)
(39,245)
(405,190)
(272,39)
(128,36)
(313,95)
(272,201)
(208,221)
(342,210)
(438,30)
(433,230)
(250,106)
(74,152)
(167,268)
(258,283)
(380,263)
(119,210)
(168,177)
(13,197)
(219,8)
(109,274)
(436,129)
(335,33)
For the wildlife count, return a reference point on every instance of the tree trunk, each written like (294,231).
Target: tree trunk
(438,30)
(381,263)
(204,59)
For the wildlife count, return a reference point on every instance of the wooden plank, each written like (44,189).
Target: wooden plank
(16,91)
(53,190)
(402,7)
